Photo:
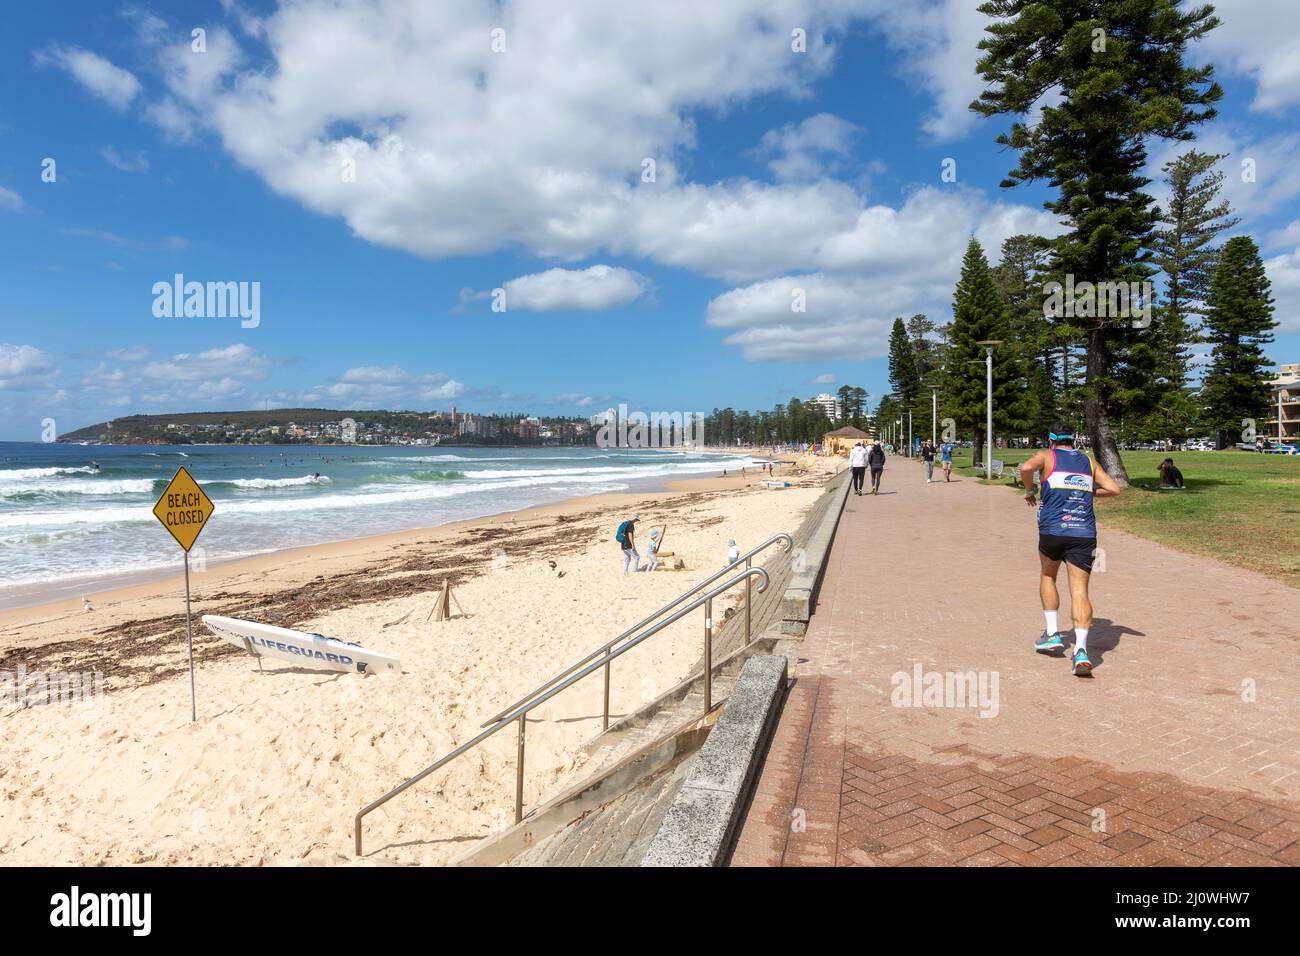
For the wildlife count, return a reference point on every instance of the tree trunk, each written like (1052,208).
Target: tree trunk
(1104,446)
(978,450)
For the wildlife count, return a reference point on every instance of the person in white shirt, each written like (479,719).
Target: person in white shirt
(652,561)
(858,462)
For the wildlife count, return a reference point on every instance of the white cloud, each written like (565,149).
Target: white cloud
(599,287)
(1269,160)
(112,84)
(1260,39)
(25,367)
(165,244)
(1284,274)
(892,262)
(128,162)
(477,166)
(386,387)
(10,199)
(808,150)
(136,353)
(938,42)
(827,378)
(234,362)
(575,399)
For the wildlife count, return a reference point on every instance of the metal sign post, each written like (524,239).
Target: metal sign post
(189,640)
(183,509)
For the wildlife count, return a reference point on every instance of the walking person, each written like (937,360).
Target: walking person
(927,456)
(858,462)
(1067,531)
(626,537)
(945,456)
(876,462)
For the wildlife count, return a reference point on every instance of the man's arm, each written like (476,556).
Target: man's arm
(1103,484)
(1035,462)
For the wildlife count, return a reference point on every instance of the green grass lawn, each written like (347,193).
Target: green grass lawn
(1240,507)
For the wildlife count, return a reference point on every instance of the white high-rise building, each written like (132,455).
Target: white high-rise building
(829,404)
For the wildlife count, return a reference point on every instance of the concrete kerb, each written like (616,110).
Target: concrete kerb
(801,592)
(702,821)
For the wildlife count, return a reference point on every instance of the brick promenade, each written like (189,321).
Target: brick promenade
(1162,757)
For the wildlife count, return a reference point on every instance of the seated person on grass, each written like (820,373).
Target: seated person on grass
(1170,476)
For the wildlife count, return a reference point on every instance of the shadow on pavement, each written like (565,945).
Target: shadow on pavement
(1104,636)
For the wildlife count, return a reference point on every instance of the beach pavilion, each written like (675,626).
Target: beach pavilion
(841,440)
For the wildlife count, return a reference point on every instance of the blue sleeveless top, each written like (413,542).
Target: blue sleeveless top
(1066,496)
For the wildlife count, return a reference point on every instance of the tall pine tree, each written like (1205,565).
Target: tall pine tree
(979,314)
(1020,279)
(1118,68)
(903,376)
(1184,250)
(1238,323)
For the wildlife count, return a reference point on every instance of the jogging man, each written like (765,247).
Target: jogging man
(945,456)
(1067,531)
(927,455)
(876,460)
(858,462)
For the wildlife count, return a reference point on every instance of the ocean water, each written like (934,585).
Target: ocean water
(68,528)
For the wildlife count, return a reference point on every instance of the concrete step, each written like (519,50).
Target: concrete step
(617,833)
(667,720)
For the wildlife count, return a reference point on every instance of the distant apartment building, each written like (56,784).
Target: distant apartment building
(478,426)
(1284,413)
(827,403)
(528,429)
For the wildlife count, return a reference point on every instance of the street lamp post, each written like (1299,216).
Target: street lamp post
(989,345)
(909,433)
(934,415)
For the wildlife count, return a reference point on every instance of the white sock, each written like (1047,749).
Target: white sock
(1081,639)
(1051,621)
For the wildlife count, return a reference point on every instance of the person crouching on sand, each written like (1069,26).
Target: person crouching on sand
(651,560)
(626,537)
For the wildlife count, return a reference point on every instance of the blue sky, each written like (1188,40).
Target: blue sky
(521,169)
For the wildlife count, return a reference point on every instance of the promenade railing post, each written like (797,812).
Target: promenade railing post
(749,592)
(708,655)
(607,667)
(519,769)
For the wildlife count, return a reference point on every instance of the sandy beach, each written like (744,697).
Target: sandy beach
(280,759)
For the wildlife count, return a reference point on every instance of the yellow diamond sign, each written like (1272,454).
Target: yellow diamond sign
(183,508)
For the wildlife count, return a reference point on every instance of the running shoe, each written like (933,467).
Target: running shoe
(1049,643)
(1082,667)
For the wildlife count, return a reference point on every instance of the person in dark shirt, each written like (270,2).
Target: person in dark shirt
(927,456)
(876,462)
(626,537)
(1170,476)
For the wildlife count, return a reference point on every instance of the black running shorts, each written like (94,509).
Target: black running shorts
(1076,551)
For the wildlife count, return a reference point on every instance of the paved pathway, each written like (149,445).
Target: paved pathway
(1183,748)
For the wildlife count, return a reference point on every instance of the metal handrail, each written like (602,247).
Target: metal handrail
(520,712)
(605,648)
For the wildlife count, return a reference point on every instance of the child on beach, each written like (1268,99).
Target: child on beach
(651,561)
(733,552)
